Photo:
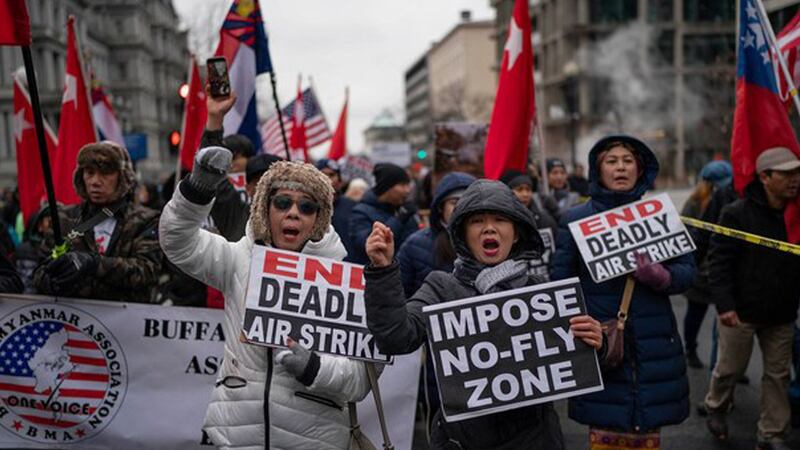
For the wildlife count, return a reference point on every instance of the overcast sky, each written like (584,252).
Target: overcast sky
(364,44)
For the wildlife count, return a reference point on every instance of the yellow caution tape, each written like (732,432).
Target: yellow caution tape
(736,234)
(59,250)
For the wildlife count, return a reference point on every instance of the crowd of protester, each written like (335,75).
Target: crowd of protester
(187,242)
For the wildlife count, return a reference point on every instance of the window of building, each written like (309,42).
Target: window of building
(613,11)
(601,100)
(709,10)
(665,48)
(659,11)
(709,49)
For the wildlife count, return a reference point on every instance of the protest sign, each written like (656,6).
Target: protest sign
(352,167)
(239,182)
(316,301)
(459,148)
(397,153)
(541,265)
(510,349)
(609,240)
(91,374)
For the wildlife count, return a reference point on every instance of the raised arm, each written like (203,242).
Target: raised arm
(201,254)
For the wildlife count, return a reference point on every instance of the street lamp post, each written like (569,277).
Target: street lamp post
(570,91)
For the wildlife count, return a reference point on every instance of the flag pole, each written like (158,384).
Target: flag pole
(319,103)
(542,162)
(274,83)
(773,43)
(33,90)
(192,63)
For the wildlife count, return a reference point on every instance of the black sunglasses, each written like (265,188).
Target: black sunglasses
(305,206)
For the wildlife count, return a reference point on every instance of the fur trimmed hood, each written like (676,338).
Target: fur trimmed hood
(297,176)
(107,157)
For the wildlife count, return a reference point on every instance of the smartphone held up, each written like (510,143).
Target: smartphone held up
(218,81)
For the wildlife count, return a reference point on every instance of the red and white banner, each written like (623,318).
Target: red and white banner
(195,113)
(92,374)
(15,25)
(317,301)
(77,125)
(608,240)
(514,105)
(89,374)
(104,116)
(339,141)
(30,176)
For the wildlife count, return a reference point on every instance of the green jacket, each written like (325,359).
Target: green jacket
(129,269)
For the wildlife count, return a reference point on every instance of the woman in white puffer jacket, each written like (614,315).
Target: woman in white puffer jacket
(302,396)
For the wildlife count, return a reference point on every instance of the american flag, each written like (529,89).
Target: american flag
(317,130)
(69,369)
(789,44)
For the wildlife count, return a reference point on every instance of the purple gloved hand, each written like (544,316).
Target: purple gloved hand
(654,275)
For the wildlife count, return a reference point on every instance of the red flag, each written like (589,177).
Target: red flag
(760,121)
(514,106)
(15,26)
(29,164)
(77,125)
(194,118)
(298,142)
(339,141)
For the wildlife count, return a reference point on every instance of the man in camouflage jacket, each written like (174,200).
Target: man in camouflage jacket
(118,258)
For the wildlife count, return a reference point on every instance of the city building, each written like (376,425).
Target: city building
(453,80)
(663,70)
(419,118)
(384,128)
(135,52)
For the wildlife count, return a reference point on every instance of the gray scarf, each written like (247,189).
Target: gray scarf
(509,274)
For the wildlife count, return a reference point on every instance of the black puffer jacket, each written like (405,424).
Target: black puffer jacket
(399,327)
(760,283)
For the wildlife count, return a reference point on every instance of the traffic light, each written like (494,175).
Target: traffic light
(174,139)
(422,154)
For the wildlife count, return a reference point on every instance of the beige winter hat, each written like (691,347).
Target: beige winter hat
(297,176)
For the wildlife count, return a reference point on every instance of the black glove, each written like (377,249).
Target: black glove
(65,272)
(210,170)
(406,211)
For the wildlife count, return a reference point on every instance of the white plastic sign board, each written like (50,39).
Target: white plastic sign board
(318,302)
(508,350)
(608,241)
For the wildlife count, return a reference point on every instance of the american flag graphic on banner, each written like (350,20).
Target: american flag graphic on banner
(317,130)
(52,374)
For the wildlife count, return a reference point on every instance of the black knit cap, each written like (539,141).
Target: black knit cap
(387,176)
(513,178)
(257,165)
(552,163)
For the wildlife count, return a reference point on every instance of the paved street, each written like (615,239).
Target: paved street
(692,434)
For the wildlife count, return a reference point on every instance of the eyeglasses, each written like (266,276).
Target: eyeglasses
(284,203)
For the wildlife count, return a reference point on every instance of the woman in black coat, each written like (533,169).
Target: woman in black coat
(494,236)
